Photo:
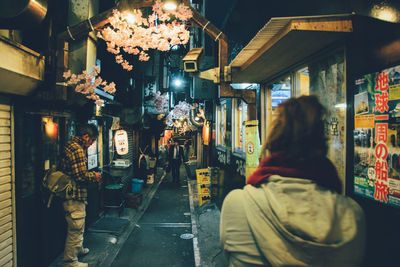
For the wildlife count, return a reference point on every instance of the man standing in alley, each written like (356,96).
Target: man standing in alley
(175,157)
(74,163)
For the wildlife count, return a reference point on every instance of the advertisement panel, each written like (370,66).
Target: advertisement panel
(377,136)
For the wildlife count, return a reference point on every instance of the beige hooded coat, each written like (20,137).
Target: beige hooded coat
(291,222)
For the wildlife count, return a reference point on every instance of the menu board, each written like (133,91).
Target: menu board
(377,136)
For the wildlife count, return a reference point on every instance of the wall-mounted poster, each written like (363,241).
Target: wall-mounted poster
(377,136)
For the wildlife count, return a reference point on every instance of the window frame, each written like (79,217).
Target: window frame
(220,116)
(239,116)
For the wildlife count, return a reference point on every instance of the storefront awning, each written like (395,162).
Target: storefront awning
(283,42)
(21,69)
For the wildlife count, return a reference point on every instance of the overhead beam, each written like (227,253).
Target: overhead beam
(207,26)
(81,29)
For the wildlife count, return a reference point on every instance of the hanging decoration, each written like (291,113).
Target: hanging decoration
(86,83)
(121,142)
(161,101)
(134,34)
(179,117)
(206,133)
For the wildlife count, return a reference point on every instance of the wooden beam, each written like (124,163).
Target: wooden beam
(252,111)
(207,26)
(225,90)
(324,24)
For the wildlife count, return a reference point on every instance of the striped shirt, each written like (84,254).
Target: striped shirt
(74,163)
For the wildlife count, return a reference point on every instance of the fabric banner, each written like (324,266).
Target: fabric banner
(253,147)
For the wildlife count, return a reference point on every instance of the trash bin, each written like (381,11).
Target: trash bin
(136,185)
(190,167)
(113,195)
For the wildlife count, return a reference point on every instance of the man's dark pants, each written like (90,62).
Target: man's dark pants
(175,166)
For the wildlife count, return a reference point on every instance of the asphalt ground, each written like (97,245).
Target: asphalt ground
(162,236)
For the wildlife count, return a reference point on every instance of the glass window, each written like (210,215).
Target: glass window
(281,91)
(327,81)
(302,82)
(239,109)
(221,124)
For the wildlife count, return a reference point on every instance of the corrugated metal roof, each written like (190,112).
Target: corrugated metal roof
(269,33)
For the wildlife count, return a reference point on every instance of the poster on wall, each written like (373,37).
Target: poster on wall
(377,136)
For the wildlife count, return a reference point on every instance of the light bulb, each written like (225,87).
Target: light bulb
(170,6)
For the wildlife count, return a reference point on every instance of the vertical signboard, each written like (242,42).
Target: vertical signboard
(253,147)
(377,136)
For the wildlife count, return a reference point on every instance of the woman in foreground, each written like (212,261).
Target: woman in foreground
(291,212)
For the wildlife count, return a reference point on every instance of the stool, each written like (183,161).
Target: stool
(133,200)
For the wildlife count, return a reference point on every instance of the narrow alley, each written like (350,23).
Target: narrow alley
(162,236)
(274,113)
(169,228)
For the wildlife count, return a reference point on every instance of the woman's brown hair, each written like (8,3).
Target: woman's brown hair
(298,129)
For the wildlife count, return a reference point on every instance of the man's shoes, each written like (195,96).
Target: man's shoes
(75,264)
(83,251)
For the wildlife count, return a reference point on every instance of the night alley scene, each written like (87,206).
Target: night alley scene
(204,133)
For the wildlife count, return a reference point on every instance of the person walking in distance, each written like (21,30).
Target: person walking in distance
(292,212)
(74,163)
(175,157)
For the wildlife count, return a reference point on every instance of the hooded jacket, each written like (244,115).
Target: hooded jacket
(291,222)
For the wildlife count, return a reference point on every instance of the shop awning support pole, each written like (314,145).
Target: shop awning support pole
(225,90)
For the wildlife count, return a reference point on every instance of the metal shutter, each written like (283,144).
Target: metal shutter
(7,193)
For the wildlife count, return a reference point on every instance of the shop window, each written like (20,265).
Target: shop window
(239,115)
(221,124)
(327,81)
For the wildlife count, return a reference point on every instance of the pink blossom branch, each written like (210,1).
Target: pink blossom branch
(86,84)
(142,35)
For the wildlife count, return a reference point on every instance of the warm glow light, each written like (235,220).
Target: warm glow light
(50,127)
(130,18)
(385,12)
(170,6)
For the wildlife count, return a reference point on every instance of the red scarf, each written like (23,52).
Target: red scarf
(320,170)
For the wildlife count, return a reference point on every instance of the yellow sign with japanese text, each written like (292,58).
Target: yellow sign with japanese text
(364,121)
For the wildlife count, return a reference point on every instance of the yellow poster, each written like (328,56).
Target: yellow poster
(364,121)
(394,92)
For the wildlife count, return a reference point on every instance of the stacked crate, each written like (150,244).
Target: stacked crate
(203,185)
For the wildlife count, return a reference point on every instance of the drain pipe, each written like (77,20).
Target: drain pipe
(22,14)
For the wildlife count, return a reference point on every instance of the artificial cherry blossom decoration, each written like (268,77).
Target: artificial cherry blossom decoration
(161,101)
(86,83)
(179,117)
(135,34)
